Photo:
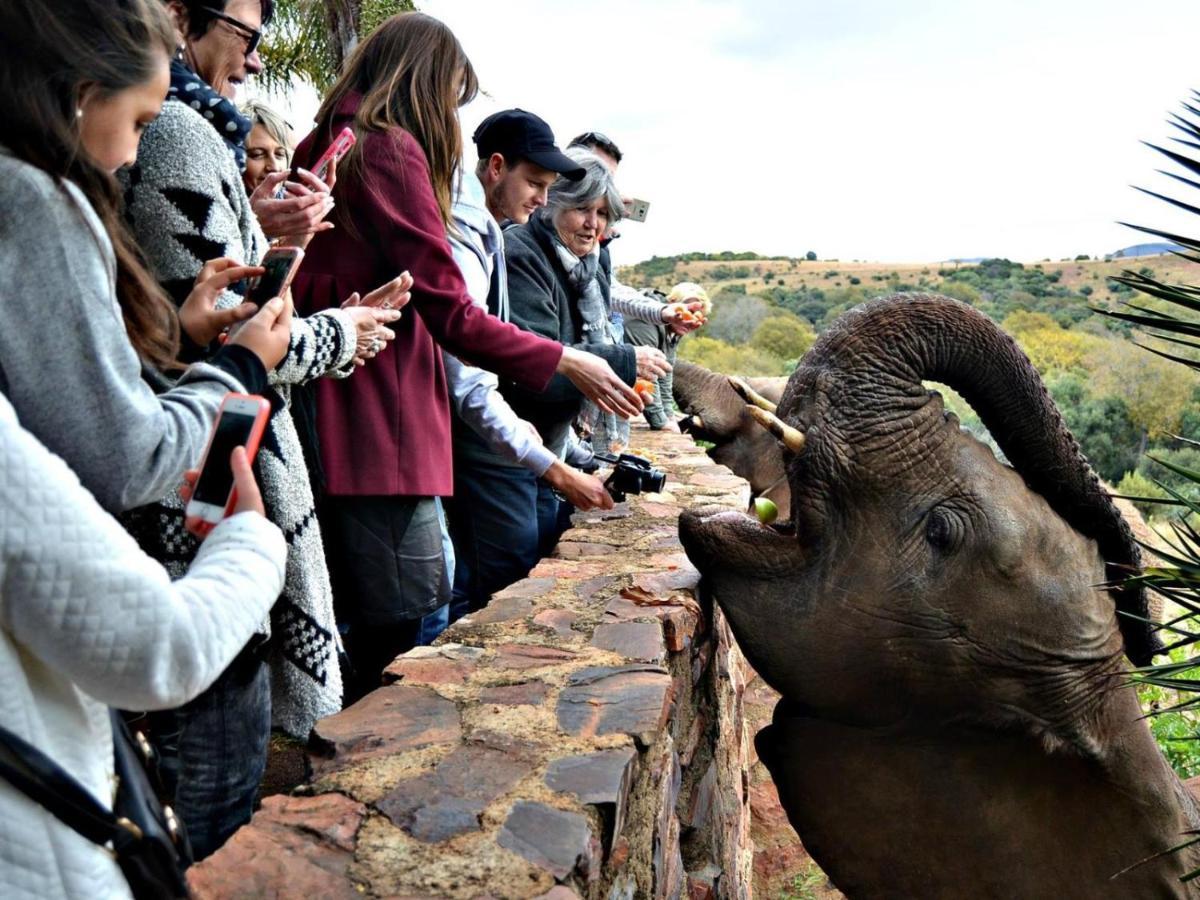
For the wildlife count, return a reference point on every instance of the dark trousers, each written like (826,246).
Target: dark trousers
(503,520)
(213,752)
(387,571)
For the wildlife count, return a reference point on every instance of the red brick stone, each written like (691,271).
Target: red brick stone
(528,588)
(389,720)
(684,577)
(633,700)
(294,846)
(560,842)
(558,619)
(527,693)
(637,641)
(447,664)
(529,656)
(572,550)
(592,588)
(500,609)
(659,510)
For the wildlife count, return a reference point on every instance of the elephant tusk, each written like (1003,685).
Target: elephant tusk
(792,438)
(752,396)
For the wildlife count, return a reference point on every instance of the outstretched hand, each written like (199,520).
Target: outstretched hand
(599,383)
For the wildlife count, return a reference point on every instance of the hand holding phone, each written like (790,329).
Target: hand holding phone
(636,210)
(214,495)
(281,264)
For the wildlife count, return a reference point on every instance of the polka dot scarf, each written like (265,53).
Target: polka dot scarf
(189,88)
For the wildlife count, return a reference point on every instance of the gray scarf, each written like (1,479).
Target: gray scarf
(583,274)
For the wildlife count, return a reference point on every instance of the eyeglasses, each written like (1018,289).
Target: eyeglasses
(252,36)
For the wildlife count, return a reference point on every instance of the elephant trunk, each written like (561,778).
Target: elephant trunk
(882,351)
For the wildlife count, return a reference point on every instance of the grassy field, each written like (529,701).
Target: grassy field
(792,274)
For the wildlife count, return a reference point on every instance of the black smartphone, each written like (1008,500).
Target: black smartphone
(281,264)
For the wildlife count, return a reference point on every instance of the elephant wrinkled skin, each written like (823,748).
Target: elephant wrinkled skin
(954,720)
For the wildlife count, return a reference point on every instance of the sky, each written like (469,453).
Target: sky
(889,130)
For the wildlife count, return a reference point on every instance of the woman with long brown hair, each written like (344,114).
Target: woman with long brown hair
(385,434)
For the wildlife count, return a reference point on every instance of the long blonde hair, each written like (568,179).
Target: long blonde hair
(412,74)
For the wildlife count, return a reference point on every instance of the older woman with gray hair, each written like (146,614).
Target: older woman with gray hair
(558,288)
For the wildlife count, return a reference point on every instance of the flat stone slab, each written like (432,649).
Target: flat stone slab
(529,656)
(449,800)
(633,700)
(560,620)
(391,719)
(638,641)
(527,693)
(294,846)
(600,779)
(447,664)
(557,841)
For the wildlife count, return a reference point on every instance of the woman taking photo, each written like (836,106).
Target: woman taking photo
(385,434)
(81,609)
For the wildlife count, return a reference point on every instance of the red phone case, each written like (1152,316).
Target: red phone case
(340,147)
(262,416)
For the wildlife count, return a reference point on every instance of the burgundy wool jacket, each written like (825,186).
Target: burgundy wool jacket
(385,430)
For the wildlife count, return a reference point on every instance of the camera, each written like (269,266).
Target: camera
(631,475)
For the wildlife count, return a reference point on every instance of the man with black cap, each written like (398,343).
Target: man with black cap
(518,161)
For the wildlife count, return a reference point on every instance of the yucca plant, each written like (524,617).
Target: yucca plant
(1169,314)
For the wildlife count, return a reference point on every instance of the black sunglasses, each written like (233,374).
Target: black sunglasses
(596,139)
(252,36)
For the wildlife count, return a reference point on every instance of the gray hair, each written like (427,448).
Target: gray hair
(597,182)
(277,127)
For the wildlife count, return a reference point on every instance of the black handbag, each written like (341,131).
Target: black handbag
(149,843)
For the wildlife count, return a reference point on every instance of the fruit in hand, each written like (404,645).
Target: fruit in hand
(766,510)
(644,389)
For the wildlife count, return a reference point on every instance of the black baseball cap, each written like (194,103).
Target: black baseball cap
(516,135)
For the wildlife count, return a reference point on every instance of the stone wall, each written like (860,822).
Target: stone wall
(582,736)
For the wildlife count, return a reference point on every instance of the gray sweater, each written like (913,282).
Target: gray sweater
(186,203)
(66,363)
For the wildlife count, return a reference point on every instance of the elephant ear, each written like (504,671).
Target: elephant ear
(888,347)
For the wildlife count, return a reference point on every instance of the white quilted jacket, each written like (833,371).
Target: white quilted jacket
(88,620)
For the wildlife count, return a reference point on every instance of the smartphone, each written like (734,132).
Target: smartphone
(340,147)
(334,152)
(281,264)
(635,210)
(240,423)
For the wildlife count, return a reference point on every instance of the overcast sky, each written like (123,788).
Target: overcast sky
(862,129)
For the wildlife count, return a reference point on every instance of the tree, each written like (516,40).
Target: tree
(719,356)
(309,40)
(810,255)
(783,335)
(734,319)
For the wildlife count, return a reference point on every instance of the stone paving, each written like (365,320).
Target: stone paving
(582,736)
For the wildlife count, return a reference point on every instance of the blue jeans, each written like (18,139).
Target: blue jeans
(504,519)
(434,623)
(214,752)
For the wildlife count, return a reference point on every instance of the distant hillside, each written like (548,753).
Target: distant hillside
(1145,250)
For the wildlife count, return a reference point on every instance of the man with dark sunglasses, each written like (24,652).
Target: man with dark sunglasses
(222,38)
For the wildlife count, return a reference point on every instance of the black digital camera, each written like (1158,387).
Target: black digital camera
(631,475)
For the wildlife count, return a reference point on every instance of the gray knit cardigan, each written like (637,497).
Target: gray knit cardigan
(186,204)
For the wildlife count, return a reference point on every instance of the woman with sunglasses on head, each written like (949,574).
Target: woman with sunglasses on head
(269,144)
(385,434)
(85,618)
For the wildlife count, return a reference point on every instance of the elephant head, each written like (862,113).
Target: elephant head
(956,616)
(719,416)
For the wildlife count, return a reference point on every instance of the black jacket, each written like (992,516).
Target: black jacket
(542,300)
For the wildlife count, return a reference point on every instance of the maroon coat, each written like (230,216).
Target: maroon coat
(385,430)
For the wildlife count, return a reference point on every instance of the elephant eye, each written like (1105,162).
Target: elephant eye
(944,529)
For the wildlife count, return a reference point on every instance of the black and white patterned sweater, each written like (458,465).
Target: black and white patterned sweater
(186,204)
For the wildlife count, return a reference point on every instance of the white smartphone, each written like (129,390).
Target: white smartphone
(240,423)
(636,210)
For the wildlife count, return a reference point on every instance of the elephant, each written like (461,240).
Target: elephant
(949,634)
(716,414)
